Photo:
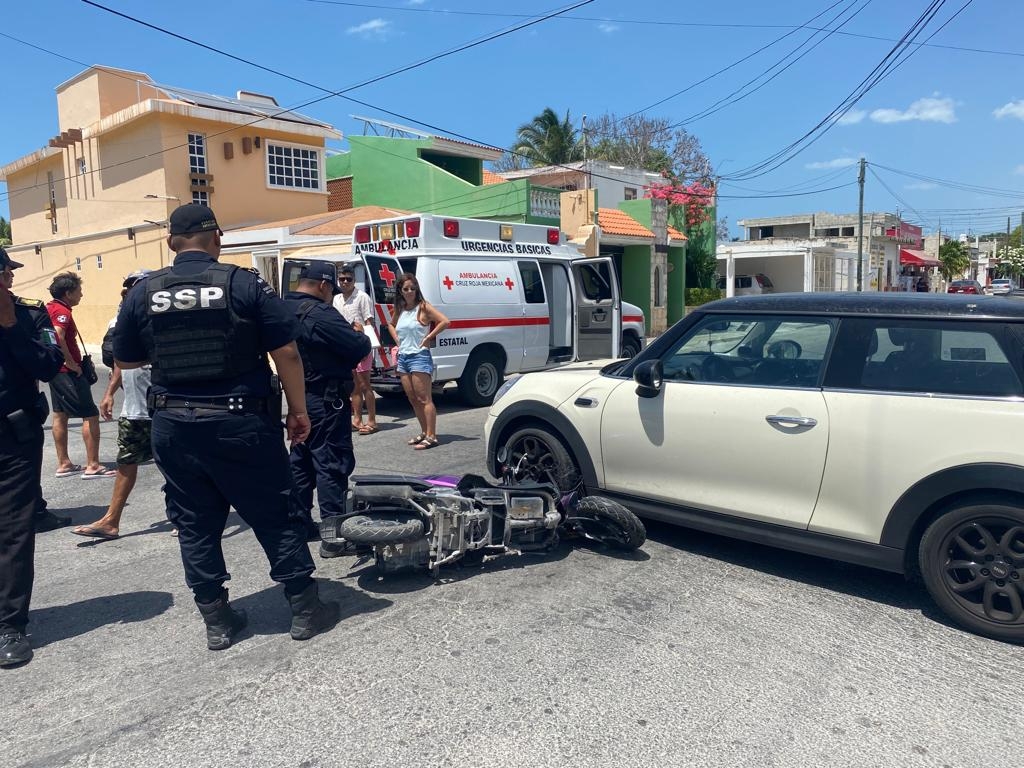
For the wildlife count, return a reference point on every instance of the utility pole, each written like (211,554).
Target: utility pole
(860,228)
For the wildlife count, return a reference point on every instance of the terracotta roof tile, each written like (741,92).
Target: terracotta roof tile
(675,234)
(614,222)
(329,223)
(490,177)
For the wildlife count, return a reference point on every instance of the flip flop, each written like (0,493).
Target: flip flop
(418,439)
(94,533)
(105,472)
(428,442)
(76,469)
(368,430)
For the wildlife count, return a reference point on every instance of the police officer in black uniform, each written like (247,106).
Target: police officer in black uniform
(207,329)
(330,347)
(28,354)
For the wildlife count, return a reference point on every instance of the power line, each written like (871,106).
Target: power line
(663,23)
(889,63)
(962,186)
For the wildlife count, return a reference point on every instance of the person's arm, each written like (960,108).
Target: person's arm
(107,403)
(39,355)
(62,342)
(440,322)
(289,369)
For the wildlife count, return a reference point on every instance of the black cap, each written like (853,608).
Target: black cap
(192,218)
(321,270)
(7,261)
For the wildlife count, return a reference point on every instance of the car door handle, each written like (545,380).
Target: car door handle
(791,421)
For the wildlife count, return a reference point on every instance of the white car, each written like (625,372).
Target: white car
(875,428)
(748,285)
(1003,285)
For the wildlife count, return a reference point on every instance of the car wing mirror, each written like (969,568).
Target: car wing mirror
(648,376)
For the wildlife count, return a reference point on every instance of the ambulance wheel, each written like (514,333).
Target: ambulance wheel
(480,381)
(630,346)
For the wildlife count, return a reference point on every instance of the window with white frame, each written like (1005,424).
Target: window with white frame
(629,193)
(197,164)
(293,167)
(99,261)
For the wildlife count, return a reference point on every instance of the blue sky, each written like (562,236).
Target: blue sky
(947,114)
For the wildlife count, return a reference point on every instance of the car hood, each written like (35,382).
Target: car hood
(555,385)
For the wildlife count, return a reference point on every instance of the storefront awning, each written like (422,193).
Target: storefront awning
(917,258)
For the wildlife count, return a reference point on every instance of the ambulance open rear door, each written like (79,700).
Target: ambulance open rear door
(598,308)
(383,273)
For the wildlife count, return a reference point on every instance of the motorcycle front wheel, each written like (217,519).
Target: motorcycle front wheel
(390,529)
(607,522)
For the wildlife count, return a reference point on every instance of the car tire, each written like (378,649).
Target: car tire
(607,522)
(536,454)
(972,563)
(367,529)
(630,347)
(480,381)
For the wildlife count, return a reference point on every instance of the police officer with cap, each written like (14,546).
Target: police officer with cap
(206,329)
(28,354)
(330,347)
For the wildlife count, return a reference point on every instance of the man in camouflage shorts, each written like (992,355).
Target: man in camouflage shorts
(134,443)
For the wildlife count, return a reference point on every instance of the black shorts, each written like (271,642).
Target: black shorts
(71,394)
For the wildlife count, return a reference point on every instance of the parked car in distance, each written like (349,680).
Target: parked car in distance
(1003,285)
(748,285)
(966,286)
(816,422)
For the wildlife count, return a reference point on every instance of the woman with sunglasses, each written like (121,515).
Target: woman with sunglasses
(415,323)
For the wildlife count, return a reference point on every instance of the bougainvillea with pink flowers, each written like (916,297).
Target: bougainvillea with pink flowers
(694,199)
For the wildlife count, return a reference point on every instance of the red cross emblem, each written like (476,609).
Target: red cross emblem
(448,282)
(387,275)
(509,283)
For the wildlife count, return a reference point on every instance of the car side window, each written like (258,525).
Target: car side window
(923,356)
(533,286)
(595,282)
(751,350)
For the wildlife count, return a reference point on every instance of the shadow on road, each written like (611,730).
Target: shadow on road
(269,613)
(60,622)
(858,581)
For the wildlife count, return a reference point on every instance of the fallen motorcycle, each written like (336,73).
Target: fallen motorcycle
(425,523)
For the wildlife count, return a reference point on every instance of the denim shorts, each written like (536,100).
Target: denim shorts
(415,362)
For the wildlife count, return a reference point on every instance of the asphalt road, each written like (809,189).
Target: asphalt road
(695,651)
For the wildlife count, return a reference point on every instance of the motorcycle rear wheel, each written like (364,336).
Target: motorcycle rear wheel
(369,529)
(607,522)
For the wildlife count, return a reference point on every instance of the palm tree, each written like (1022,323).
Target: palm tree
(546,140)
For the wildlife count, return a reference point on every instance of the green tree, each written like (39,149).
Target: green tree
(548,140)
(954,259)
(5,231)
(1011,261)
(651,143)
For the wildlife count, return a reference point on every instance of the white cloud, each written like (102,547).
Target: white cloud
(930,110)
(852,117)
(371,28)
(824,165)
(607,28)
(1011,109)
(921,185)
(1019,170)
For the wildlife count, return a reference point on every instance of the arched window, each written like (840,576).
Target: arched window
(657,287)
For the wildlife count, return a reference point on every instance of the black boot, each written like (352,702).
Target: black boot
(310,616)
(222,622)
(14,649)
(47,521)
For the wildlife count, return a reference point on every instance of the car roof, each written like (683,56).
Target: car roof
(873,303)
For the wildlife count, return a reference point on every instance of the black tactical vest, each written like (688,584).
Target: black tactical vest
(194,334)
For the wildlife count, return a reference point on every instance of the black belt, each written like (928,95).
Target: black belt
(331,388)
(231,404)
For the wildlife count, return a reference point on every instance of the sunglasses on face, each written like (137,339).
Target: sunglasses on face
(345,279)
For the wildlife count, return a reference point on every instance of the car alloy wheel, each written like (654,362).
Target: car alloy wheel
(536,454)
(972,561)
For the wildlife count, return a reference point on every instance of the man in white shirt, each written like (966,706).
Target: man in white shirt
(356,307)
(134,443)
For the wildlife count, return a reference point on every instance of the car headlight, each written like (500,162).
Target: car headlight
(504,388)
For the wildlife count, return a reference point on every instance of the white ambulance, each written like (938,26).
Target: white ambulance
(518,296)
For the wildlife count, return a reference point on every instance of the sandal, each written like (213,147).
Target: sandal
(418,439)
(366,429)
(427,443)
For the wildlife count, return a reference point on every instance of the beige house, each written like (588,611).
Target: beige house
(96,199)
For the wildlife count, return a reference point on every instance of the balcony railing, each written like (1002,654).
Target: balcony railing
(546,202)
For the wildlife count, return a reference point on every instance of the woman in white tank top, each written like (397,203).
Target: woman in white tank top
(415,323)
